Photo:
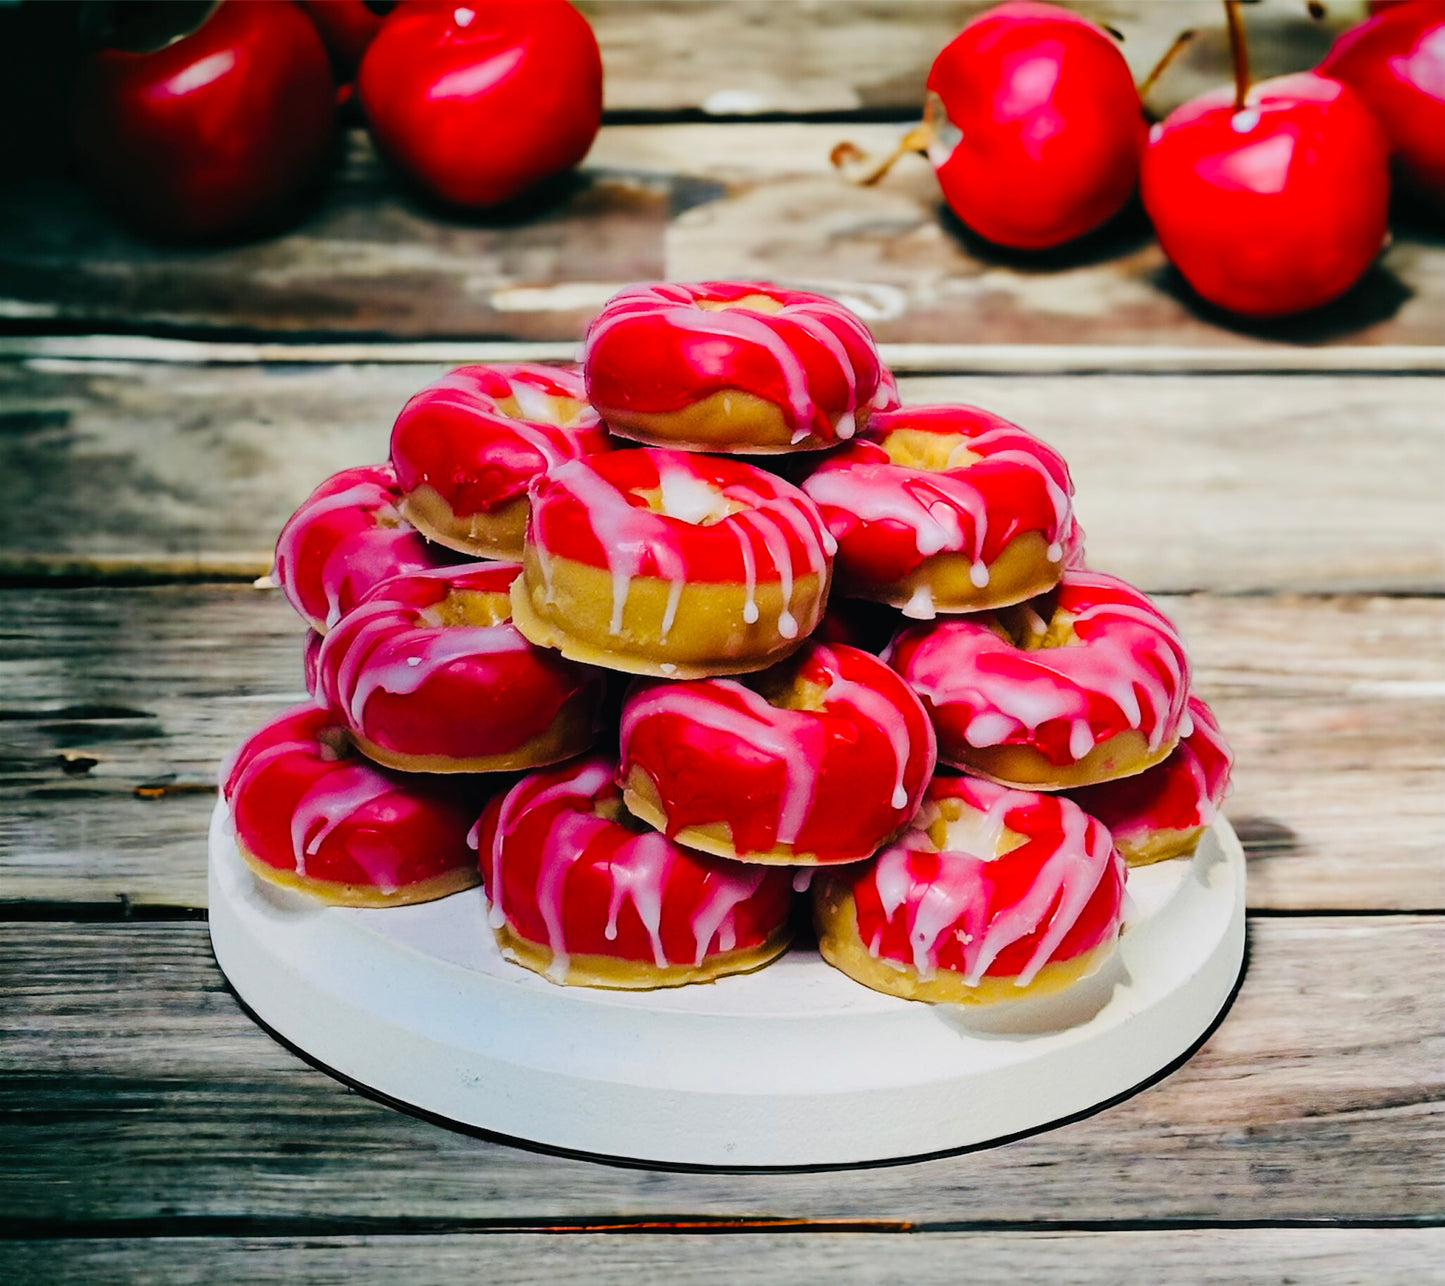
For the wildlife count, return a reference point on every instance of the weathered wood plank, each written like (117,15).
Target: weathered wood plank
(1318,483)
(1336,708)
(1322,1256)
(686,201)
(741,57)
(135,1089)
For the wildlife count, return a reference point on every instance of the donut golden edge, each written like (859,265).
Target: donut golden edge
(498,533)
(836,918)
(1125,754)
(729,421)
(1021,571)
(586,970)
(334,893)
(570,608)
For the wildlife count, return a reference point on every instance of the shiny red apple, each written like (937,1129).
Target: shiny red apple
(480,101)
(213,132)
(1396,63)
(1273,207)
(1037,126)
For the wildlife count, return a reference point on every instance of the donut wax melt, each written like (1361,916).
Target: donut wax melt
(582,896)
(820,759)
(1081,686)
(309,814)
(672,563)
(1162,812)
(346,537)
(429,675)
(945,509)
(991,894)
(466,447)
(733,366)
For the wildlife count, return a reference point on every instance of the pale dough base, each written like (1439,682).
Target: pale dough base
(708,635)
(1021,571)
(334,893)
(637,975)
(1123,755)
(497,533)
(729,421)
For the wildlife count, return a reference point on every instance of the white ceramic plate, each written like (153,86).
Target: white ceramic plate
(795,1065)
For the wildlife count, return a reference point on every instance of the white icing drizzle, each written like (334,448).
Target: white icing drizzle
(820,317)
(791,737)
(956,902)
(1139,665)
(875,708)
(327,804)
(920,605)
(640,867)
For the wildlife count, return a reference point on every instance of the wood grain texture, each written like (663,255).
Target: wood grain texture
(1275,1256)
(1321,483)
(683,201)
(133,1088)
(1336,708)
(742,57)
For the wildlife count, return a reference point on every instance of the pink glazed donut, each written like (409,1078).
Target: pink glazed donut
(945,509)
(466,448)
(733,366)
(310,814)
(429,675)
(346,537)
(583,898)
(1083,685)
(818,760)
(989,895)
(1162,812)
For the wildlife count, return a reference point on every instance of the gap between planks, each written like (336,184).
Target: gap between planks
(906,359)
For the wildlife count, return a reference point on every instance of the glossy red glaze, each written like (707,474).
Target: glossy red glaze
(981,915)
(345,538)
(347,27)
(1127,670)
(833,783)
(1180,794)
(216,131)
(887,518)
(456,437)
(561,872)
(301,807)
(1044,127)
(480,101)
(394,673)
(653,349)
(1274,209)
(595,511)
(1396,63)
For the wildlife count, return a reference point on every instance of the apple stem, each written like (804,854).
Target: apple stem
(1159,68)
(847,155)
(1238,52)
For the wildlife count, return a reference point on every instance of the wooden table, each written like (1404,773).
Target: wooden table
(1282,488)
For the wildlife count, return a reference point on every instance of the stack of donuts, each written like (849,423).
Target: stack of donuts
(607,640)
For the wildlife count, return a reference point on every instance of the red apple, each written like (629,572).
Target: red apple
(347,27)
(1396,63)
(213,132)
(1274,207)
(481,100)
(1038,129)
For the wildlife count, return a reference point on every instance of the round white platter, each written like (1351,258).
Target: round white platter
(795,1065)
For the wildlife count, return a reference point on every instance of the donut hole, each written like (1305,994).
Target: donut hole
(610,809)
(470,607)
(783,687)
(757,303)
(334,743)
(931,452)
(955,827)
(534,406)
(1028,629)
(689,499)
